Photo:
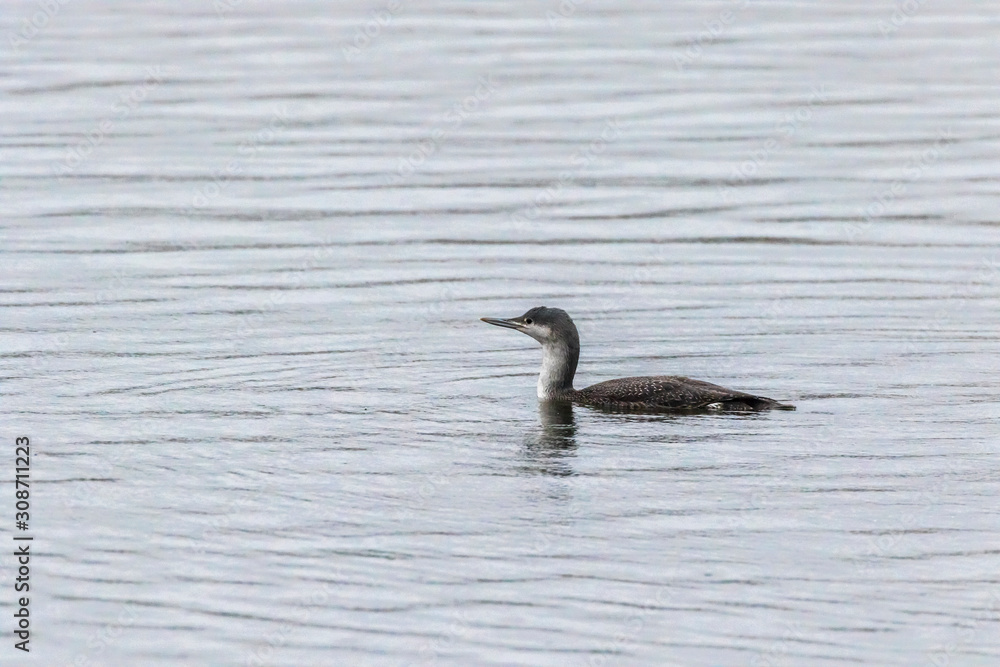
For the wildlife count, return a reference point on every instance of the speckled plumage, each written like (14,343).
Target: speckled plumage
(554,329)
(670,392)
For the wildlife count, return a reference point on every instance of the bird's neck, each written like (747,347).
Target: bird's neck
(558,368)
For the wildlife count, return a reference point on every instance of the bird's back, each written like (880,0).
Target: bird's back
(672,392)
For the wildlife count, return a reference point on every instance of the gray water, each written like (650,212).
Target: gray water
(244,251)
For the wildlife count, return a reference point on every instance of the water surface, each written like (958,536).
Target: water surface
(244,252)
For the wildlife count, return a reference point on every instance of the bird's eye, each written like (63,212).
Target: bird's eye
(528,321)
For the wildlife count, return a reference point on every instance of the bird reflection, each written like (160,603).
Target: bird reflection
(550,450)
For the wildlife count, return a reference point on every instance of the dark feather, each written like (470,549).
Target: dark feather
(672,392)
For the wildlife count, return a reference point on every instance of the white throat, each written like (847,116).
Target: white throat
(555,376)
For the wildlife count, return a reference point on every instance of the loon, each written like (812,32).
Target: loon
(554,329)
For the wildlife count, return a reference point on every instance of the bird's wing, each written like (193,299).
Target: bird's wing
(667,391)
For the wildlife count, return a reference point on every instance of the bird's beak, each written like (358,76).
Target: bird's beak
(508,324)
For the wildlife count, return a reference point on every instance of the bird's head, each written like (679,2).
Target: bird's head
(546,325)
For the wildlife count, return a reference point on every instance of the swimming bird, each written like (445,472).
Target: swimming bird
(554,329)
